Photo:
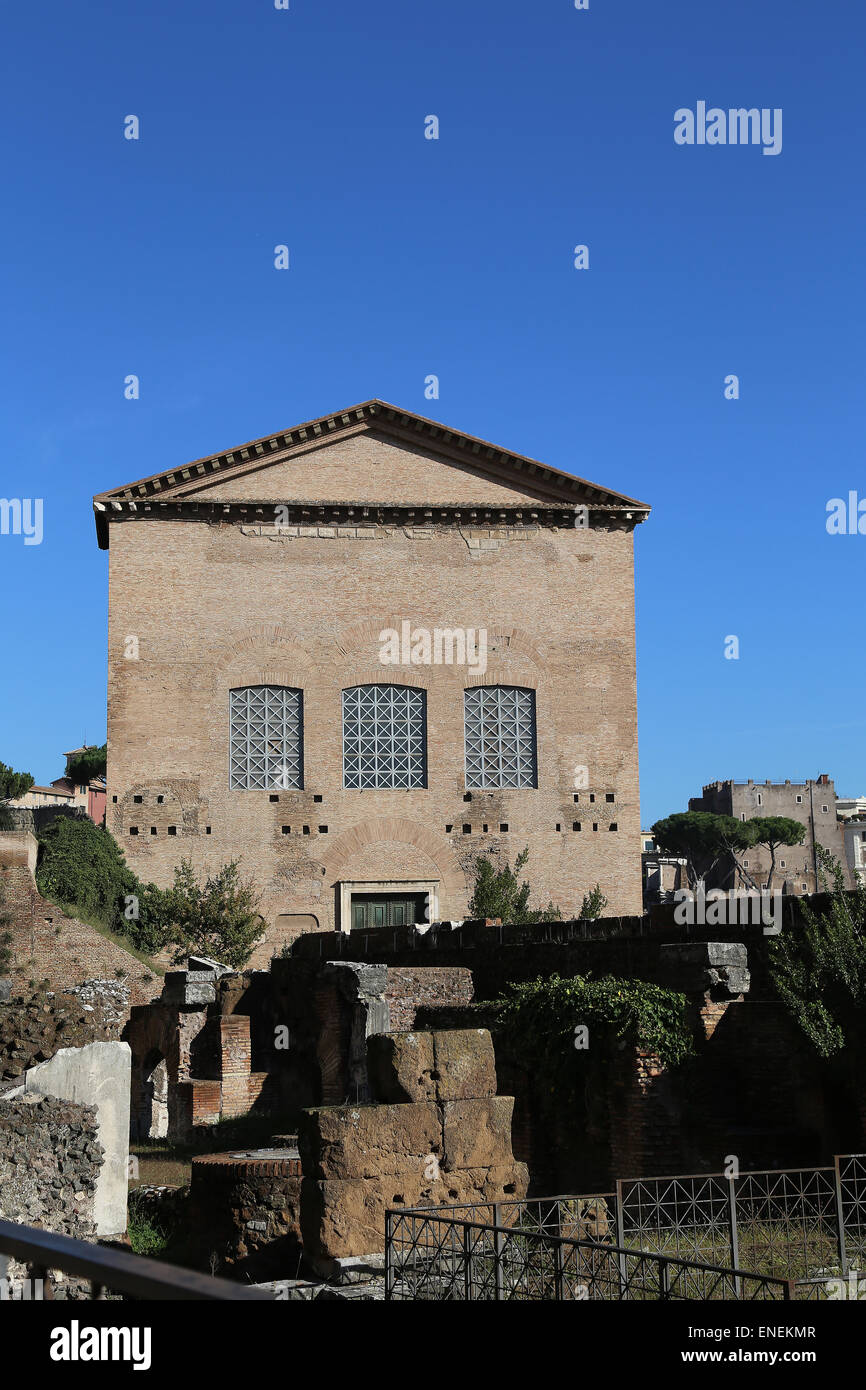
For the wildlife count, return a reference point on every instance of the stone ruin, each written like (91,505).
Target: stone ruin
(434,1134)
(437,1135)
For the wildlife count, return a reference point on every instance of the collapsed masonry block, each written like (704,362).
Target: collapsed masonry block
(400,1067)
(346,1142)
(348,1218)
(698,966)
(477,1133)
(465,1064)
(189,988)
(586,1218)
(453,1064)
(442,1137)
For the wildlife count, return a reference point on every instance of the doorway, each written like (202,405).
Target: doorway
(371,910)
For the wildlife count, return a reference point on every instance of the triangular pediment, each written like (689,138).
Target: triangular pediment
(371,454)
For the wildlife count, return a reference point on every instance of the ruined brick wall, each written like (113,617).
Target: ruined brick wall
(242,1219)
(47,945)
(218,605)
(424,987)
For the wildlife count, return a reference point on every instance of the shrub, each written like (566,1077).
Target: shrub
(218,918)
(820,972)
(81,865)
(593,905)
(498,893)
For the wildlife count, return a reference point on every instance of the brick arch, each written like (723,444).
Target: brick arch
(404,831)
(520,643)
(269,655)
(366,634)
(249,674)
(505,676)
(377,674)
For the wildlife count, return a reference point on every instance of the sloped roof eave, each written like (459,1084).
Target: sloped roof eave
(177,483)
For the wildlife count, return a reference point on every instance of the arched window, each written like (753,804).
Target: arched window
(384,737)
(266,738)
(499,724)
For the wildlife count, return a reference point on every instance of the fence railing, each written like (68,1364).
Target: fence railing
(435,1258)
(807,1225)
(134,1275)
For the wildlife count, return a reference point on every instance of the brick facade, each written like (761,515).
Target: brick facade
(218,596)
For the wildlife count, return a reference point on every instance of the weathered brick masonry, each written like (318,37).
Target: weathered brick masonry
(219,592)
(47,945)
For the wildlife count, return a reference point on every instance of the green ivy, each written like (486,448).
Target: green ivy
(819,969)
(538,1020)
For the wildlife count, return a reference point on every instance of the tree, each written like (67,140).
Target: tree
(218,918)
(703,839)
(499,894)
(13,784)
(145,917)
(774,831)
(89,763)
(593,905)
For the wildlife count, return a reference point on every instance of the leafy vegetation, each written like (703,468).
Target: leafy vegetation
(705,840)
(81,867)
(820,971)
(499,893)
(775,831)
(540,1016)
(147,1235)
(217,918)
(13,784)
(81,864)
(89,763)
(593,905)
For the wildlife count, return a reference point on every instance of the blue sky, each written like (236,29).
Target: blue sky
(455,257)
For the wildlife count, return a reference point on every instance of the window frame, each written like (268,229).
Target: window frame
(480,695)
(383,762)
(269,784)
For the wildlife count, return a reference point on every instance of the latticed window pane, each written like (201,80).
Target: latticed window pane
(384,737)
(500,736)
(266,738)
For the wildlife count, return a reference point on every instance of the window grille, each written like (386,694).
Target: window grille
(500,737)
(266,738)
(384,737)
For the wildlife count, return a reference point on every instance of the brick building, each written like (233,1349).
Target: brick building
(361,652)
(812,803)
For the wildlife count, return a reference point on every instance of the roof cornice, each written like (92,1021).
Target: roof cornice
(552,486)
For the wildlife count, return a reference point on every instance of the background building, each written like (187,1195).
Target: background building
(811,803)
(258,708)
(77,795)
(851,812)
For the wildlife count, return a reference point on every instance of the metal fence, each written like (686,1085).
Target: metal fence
(435,1258)
(105,1269)
(804,1225)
